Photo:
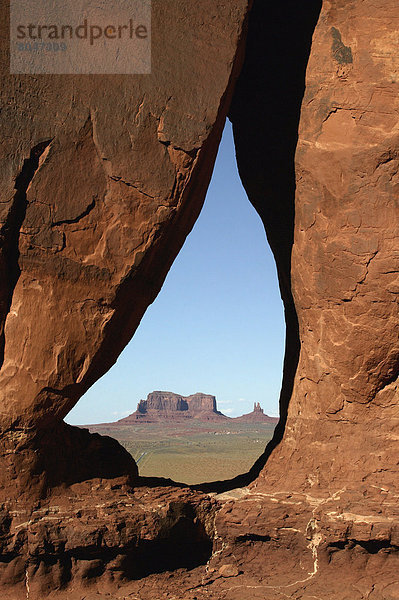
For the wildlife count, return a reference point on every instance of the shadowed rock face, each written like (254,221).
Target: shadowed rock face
(96,203)
(328,490)
(344,262)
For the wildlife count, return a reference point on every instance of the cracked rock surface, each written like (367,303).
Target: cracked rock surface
(102,180)
(101,185)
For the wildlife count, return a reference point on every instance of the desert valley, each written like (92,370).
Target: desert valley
(188,440)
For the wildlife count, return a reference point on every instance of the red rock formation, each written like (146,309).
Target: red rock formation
(328,526)
(100,190)
(167,406)
(257,416)
(102,180)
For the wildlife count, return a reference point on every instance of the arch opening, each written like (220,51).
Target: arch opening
(265,112)
(217,326)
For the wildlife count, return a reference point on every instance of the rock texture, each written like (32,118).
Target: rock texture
(257,416)
(102,531)
(342,417)
(101,182)
(167,406)
(328,524)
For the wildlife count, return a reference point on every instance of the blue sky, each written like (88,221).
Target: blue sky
(217,325)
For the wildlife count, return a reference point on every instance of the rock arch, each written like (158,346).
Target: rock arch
(103,202)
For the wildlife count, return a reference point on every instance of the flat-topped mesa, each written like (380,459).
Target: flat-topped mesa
(257,416)
(170,406)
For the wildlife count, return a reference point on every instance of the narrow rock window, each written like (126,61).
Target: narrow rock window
(217,329)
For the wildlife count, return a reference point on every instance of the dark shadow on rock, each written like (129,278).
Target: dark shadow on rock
(153,482)
(9,236)
(69,455)
(265,113)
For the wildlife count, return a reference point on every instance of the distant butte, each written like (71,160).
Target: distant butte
(168,406)
(257,416)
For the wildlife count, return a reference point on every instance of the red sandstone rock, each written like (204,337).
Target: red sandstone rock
(321,520)
(101,530)
(109,195)
(345,262)
(228,571)
(102,180)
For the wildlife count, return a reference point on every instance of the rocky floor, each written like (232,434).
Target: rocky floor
(176,544)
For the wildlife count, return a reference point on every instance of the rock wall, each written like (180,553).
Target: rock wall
(102,180)
(344,263)
(328,527)
(96,203)
(344,258)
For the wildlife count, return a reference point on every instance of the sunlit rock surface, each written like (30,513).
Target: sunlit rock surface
(102,181)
